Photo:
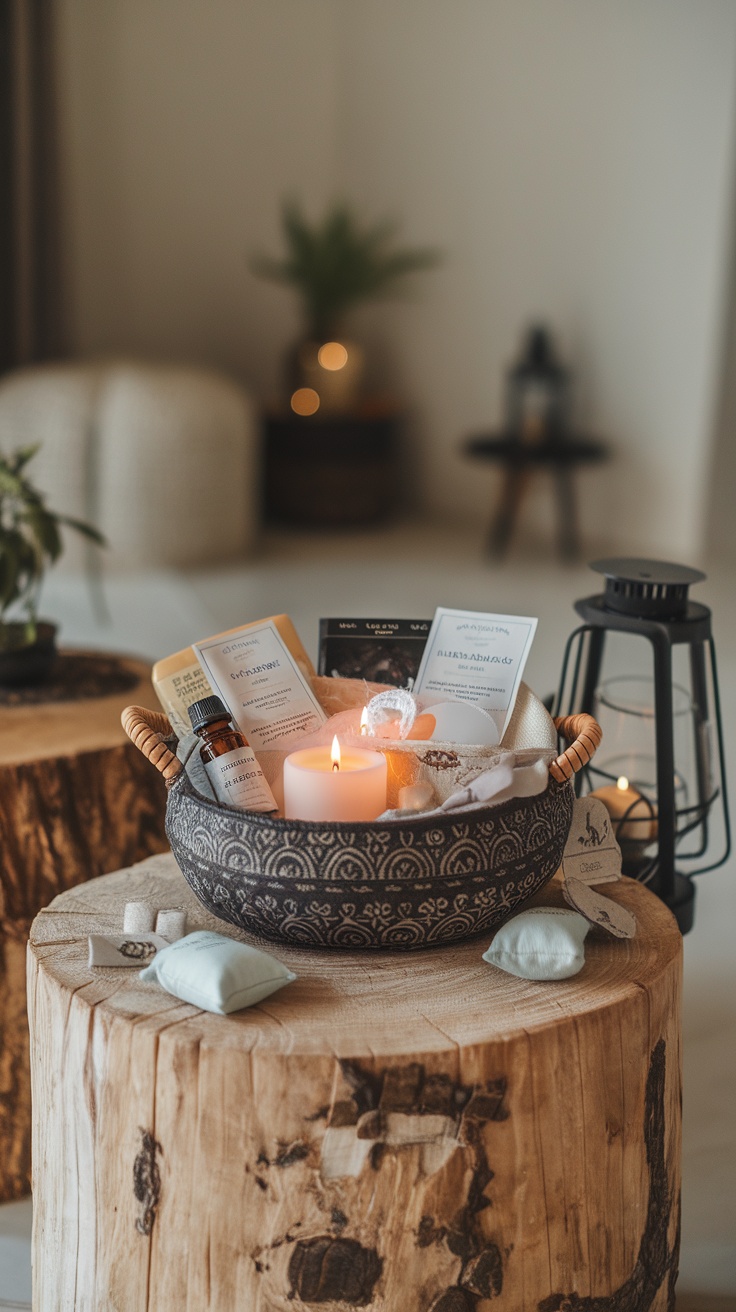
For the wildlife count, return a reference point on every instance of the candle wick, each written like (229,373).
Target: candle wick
(335,766)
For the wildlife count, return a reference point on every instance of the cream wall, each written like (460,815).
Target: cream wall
(574,160)
(184,123)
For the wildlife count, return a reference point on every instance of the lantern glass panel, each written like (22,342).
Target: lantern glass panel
(624,708)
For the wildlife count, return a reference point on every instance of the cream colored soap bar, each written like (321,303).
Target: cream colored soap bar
(179,680)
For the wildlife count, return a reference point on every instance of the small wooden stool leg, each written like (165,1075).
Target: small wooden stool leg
(503,524)
(569,538)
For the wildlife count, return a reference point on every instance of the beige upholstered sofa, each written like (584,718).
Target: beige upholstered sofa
(162,458)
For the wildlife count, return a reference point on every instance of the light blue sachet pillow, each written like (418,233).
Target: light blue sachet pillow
(217,973)
(545,943)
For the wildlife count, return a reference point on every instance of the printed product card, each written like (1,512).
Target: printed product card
(179,691)
(475,657)
(254,673)
(382,651)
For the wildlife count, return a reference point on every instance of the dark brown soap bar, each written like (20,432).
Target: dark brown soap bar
(382,651)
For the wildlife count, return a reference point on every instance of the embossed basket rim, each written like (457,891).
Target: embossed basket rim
(182,784)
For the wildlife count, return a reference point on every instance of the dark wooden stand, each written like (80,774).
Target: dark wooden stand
(519,459)
(331,470)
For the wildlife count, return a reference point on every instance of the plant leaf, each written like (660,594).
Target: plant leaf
(21,570)
(8,574)
(43,526)
(86,530)
(336,263)
(10,483)
(22,455)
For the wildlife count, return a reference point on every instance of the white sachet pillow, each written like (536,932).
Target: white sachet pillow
(217,973)
(544,943)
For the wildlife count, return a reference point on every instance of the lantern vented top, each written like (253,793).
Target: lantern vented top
(648,588)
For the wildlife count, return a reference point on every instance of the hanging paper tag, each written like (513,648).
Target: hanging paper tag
(601,911)
(591,854)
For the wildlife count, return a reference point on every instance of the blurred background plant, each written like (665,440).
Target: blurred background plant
(338,262)
(30,542)
(335,264)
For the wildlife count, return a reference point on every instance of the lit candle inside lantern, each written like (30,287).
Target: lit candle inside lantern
(330,784)
(364,721)
(621,800)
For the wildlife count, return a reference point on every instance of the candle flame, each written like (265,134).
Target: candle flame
(335,753)
(364,720)
(622,783)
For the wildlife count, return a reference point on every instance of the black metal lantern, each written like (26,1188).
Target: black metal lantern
(537,392)
(664,762)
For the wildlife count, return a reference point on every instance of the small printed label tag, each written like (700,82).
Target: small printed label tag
(591,854)
(601,911)
(124,949)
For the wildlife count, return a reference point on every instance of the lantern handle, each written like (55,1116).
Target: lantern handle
(584,736)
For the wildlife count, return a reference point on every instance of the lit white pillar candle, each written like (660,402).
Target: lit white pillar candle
(329,784)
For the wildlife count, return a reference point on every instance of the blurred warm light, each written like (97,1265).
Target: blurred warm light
(332,356)
(364,720)
(335,753)
(305,401)
(622,783)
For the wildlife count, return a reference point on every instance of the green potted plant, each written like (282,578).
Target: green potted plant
(335,265)
(30,541)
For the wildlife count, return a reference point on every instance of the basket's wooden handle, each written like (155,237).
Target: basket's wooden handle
(584,736)
(146,730)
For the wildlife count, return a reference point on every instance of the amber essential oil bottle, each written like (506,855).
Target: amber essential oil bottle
(229,761)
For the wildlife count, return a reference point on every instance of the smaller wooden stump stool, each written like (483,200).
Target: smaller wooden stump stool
(76,799)
(519,458)
(403,1132)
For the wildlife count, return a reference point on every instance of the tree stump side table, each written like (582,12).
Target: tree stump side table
(402,1132)
(76,799)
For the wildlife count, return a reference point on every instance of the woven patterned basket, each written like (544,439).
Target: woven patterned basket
(406,884)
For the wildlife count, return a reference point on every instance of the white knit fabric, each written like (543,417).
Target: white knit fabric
(162,458)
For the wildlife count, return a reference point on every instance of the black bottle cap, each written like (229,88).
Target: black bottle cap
(207,710)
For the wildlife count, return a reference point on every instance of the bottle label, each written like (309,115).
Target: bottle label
(238,780)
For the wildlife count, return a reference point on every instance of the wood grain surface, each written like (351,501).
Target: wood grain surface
(397,1133)
(76,800)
